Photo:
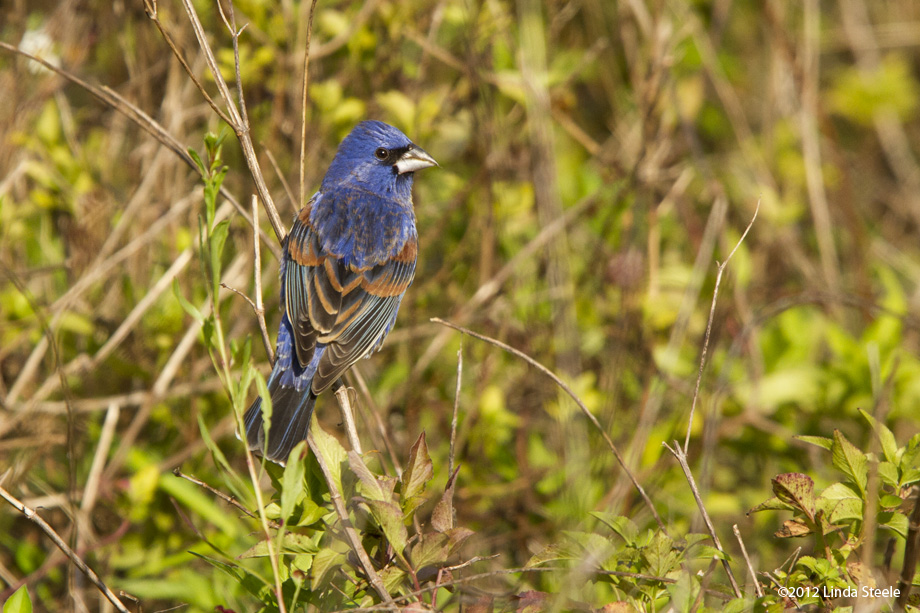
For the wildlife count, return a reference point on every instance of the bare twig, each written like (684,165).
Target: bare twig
(354,373)
(747,561)
(303,109)
(31,515)
(151,8)
(257,306)
(350,532)
(280,175)
(573,396)
(712,312)
(238,121)
(348,418)
(453,421)
(91,490)
(681,456)
(225,497)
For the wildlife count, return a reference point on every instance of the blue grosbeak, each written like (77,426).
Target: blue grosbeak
(346,264)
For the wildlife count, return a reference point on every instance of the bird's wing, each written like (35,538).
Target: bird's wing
(346,308)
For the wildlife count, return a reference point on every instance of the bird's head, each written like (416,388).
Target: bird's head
(378,157)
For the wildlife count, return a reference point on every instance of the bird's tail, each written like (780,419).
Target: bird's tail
(290,421)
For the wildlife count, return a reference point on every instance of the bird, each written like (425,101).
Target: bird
(346,263)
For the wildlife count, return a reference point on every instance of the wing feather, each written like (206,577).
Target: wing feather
(347,309)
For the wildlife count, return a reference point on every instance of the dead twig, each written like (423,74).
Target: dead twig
(681,457)
(32,516)
(303,107)
(453,421)
(573,396)
(348,418)
(747,561)
(238,119)
(225,497)
(712,312)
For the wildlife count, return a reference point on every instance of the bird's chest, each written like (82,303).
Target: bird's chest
(363,229)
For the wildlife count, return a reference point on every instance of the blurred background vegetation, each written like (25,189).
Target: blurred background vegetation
(598,157)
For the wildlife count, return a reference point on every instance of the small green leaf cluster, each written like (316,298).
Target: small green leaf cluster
(318,566)
(873,493)
(640,569)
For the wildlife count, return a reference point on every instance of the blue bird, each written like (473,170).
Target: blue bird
(346,264)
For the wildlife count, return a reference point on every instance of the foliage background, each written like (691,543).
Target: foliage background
(653,129)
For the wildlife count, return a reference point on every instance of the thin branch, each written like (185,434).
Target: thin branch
(225,497)
(348,418)
(712,312)
(354,374)
(31,515)
(681,456)
(453,421)
(280,176)
(303,110)
(237,121)
(350,532)
(578,401)
(747,560)
(150,6)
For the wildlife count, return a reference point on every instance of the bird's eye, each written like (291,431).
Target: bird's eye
(381,153)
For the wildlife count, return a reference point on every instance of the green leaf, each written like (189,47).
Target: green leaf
(198,162)
(623,526)
(442,518)
(797,490)
(235,483)
(708,552)
(430,549)
(885,437)
(211,189)
(330,450)
(187,306)
(390,519)
(311,514)
(895,521)
(372,489)
(292,489)
(684,592)
(819,441)
(848,459)
(291,542)
(555,553)
(888,473)
(840,502)
(417,475)
(910,476)
(660,555)
(890,501)
(324,562)
(216,242)
(772,504)
(19,602)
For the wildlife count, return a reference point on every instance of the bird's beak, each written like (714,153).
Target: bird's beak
(412,160)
